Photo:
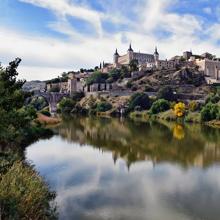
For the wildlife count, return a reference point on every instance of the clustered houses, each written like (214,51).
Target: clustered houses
(207,63)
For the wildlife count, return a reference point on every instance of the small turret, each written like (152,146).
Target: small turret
(130,48)
(130,53)
(115,58)
(156,54)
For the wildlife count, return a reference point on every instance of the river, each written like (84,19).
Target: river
(116,169)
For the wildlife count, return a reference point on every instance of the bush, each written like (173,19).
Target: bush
(213,98)
(193,117)
(139,99)
(114,74)
(103,106)
(38,103)
(97,77)
(66,105)
(24,195)
(179,109)
(193,106)
(210,112)
(166,93)
(160,105)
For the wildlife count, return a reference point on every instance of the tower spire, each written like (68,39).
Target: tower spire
(116,52)
(130,48)
(156,52)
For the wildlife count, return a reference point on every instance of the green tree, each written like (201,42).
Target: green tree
(139,99)
(166,93)
(97,77)
(66,105)
(160,105)
(103,106)
(114,74)
(16,121)
(210,112)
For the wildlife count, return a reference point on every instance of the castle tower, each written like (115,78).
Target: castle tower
(115,58)
(72,84)
(130,54)
(156,55)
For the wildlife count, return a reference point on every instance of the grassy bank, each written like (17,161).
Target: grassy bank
(24,194)
(169,115)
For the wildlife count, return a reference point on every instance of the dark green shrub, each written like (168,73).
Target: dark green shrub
(139,99)
(166,93)
(213,98)
(114,74)
(97,77)
(103,106)
(66,105)
(161,105)
(210,112)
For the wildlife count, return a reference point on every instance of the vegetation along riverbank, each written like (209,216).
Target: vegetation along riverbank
(23,193)
(139,105)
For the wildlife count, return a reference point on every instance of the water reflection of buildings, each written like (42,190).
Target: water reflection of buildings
(138,142)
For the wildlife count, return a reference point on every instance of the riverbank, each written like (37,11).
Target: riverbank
(23,193)
(190,117)
(47,121)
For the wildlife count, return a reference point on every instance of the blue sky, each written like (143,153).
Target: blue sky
(52,36)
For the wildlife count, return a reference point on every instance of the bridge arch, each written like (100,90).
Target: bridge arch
(52,98)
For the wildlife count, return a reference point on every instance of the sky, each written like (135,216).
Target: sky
(53,36)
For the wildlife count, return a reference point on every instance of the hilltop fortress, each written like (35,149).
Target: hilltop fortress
(144,60)
(155,71)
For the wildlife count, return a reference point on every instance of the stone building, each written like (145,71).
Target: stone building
(74,84)
(60,86)
(211,69)
(145,61)
(131,55)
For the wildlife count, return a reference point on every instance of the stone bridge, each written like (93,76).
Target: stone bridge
(52,98)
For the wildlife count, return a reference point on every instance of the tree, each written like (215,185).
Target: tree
(66,105)
(133,65)
(97,77)
(166,93)
(210,112)
(16,121)
(139,99)
(193,106)
(103,107)
(160,105)
(114,74)
(179,109)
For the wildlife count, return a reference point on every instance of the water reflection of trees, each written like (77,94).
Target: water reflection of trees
(136,141)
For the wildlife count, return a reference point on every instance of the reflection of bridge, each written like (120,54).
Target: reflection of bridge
(52,98)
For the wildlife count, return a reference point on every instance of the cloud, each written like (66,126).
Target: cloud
(207,10)
(43,57)
(63,8)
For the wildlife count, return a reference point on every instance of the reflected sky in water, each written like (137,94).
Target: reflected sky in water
(95,176)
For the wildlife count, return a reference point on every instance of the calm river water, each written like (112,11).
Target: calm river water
(121,170)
